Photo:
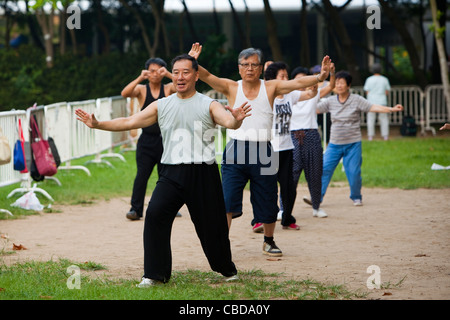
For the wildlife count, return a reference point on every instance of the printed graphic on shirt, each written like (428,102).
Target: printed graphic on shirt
(283,118)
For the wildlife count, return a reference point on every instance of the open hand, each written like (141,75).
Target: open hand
(195,50)
(87,118)
(325,69)
(241,112)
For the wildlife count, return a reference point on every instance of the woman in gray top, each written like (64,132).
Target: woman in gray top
(345,141)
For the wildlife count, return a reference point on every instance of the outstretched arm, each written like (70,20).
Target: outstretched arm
(232,119)
(283,87)
(382,109)
(142,119)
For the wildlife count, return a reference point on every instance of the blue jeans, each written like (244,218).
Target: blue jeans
(352,154)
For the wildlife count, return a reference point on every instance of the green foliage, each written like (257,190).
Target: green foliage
(25,79)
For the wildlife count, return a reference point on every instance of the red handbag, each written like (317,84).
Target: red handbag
(43,157)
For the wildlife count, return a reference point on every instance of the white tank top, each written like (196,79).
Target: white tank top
(257,127)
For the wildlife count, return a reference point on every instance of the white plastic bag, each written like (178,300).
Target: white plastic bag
(29,201)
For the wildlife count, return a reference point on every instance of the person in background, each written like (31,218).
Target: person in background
(345,141)
(149,147)
(308,151)
(283,110)
(377,89)
(323,121)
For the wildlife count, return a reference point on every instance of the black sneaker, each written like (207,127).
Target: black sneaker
(132,215)
(271,249)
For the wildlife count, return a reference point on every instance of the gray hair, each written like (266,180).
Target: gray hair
(246,53)
(376,68)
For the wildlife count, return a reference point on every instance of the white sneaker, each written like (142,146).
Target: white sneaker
(319,213)
(146,283)
(357,202)
(232,278)
(280,215)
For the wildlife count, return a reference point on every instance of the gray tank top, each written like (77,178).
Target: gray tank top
(187,129)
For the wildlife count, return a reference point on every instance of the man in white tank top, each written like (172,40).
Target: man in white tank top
(253,137)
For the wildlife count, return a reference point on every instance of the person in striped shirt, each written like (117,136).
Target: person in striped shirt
(345,138)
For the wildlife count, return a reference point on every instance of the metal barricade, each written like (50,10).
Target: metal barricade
(435,107)
(82,139)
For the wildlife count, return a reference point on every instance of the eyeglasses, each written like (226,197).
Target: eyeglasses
(248,65)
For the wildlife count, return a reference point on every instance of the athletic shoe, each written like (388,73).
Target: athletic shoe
(307,200)
(271,249)
(258,228)
(319,213)
(132,215)
(357,202)
(146,283)
(232,278)
(292,226)
(280,215)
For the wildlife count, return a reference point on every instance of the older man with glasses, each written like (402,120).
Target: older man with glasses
(249,156)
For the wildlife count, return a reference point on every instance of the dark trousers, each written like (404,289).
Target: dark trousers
(308,156)
(148,154)
(287,186)
(199,187)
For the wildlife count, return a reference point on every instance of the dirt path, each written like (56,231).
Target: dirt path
(406,233)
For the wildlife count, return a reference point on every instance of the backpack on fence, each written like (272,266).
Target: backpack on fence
(409,127)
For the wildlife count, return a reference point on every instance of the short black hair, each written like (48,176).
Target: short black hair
(185,56)
(157,61)
(298,70)
(272,70)
(344,75)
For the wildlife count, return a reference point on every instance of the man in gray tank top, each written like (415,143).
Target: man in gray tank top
(189,174)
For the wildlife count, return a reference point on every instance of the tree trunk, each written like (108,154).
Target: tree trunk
(408,41)
(272,32)
(32,27)
(189,21)
(238,26)
(141,24)
(46,23)
(305,59)
(102,27)
(348,55)
(441,53)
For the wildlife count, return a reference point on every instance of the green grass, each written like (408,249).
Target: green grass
(403,163)
(49,281)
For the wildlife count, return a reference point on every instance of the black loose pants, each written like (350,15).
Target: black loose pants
(199,187)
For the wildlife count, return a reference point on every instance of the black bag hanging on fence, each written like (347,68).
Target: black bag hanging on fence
(409,127)
(55,153)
